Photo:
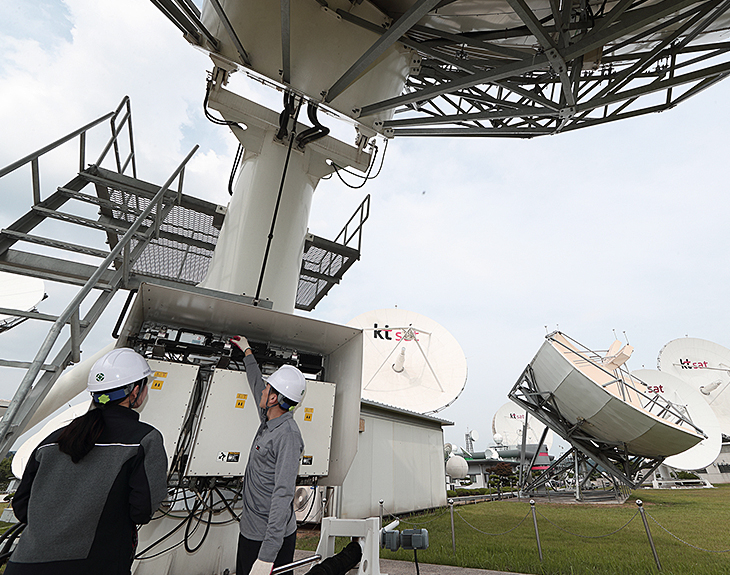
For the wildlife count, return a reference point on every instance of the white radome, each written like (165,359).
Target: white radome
(457,467)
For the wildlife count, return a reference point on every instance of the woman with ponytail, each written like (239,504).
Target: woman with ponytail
(88,485)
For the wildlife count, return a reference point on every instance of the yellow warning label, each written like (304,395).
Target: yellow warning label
(160,374)
(241,396)
(308,412)
(157,384)
(241,403)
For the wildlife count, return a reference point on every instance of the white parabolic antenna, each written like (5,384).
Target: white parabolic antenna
(508,422)
(686,397)
(19,292)
(606,403)
(706,367)
(409,361)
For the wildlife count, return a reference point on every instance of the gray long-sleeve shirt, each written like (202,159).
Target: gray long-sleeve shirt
(271,474)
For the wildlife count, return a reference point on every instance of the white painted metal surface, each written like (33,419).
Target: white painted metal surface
(170,388)
(429,377)
(340,345)
(705,365)
(399,460)
(323,47)
(602,403)
(508,422)
(229,405)
(314,416)
(685,396)
(239,255)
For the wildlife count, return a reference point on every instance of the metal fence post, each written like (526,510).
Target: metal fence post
(640,503)
(537,533)
(453,535)
(381,513)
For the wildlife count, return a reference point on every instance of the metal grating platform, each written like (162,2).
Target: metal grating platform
(187,236)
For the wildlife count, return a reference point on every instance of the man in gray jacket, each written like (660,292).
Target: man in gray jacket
(268,523)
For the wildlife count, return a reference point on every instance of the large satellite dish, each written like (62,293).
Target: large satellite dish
(507,425)
(409,361)
(469,67)
(606,404)
(19,293)
(688,398)
(706,367)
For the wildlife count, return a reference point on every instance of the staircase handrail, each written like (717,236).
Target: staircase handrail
(72,310)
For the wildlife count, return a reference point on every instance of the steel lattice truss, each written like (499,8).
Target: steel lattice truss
(584,64)
(514,68)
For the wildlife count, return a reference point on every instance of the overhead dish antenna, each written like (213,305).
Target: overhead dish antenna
(688,399)
(409,361)
(19,293)
(508,423)
(705,365)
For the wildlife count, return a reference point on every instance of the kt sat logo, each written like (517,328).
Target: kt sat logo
(687,364)
(385,332)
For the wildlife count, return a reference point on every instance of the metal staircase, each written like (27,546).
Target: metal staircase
(154,234)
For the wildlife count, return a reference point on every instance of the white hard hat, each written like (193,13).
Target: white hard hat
(119,367)
(289,382)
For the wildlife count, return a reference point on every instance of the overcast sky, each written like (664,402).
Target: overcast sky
(619,227)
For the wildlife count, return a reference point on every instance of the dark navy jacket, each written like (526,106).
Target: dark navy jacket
(81,516)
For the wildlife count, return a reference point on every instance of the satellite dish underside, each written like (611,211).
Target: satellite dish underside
(605,407)
(470,68)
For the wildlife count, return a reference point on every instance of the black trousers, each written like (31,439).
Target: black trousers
(248,552)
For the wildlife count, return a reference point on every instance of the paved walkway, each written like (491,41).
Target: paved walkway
(390,567)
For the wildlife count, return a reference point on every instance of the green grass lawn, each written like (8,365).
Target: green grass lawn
(698,516)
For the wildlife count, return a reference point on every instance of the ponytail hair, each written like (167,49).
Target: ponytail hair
(80,436)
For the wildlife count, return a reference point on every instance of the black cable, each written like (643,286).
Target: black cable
(160,540)
(209,115)
(225,502)
(317,132)
(276,208)
(415,557)
(207,527)
(236,161)
(367,176)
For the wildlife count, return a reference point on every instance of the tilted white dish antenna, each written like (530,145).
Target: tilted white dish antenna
(474,435)
(409,361)
(18,292)
(608,405)
(507,425)
(687,398)
(706,367)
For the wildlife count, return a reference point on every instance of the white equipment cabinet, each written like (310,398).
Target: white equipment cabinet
(228,424)
(170,389)
(314,417)
(229,420)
